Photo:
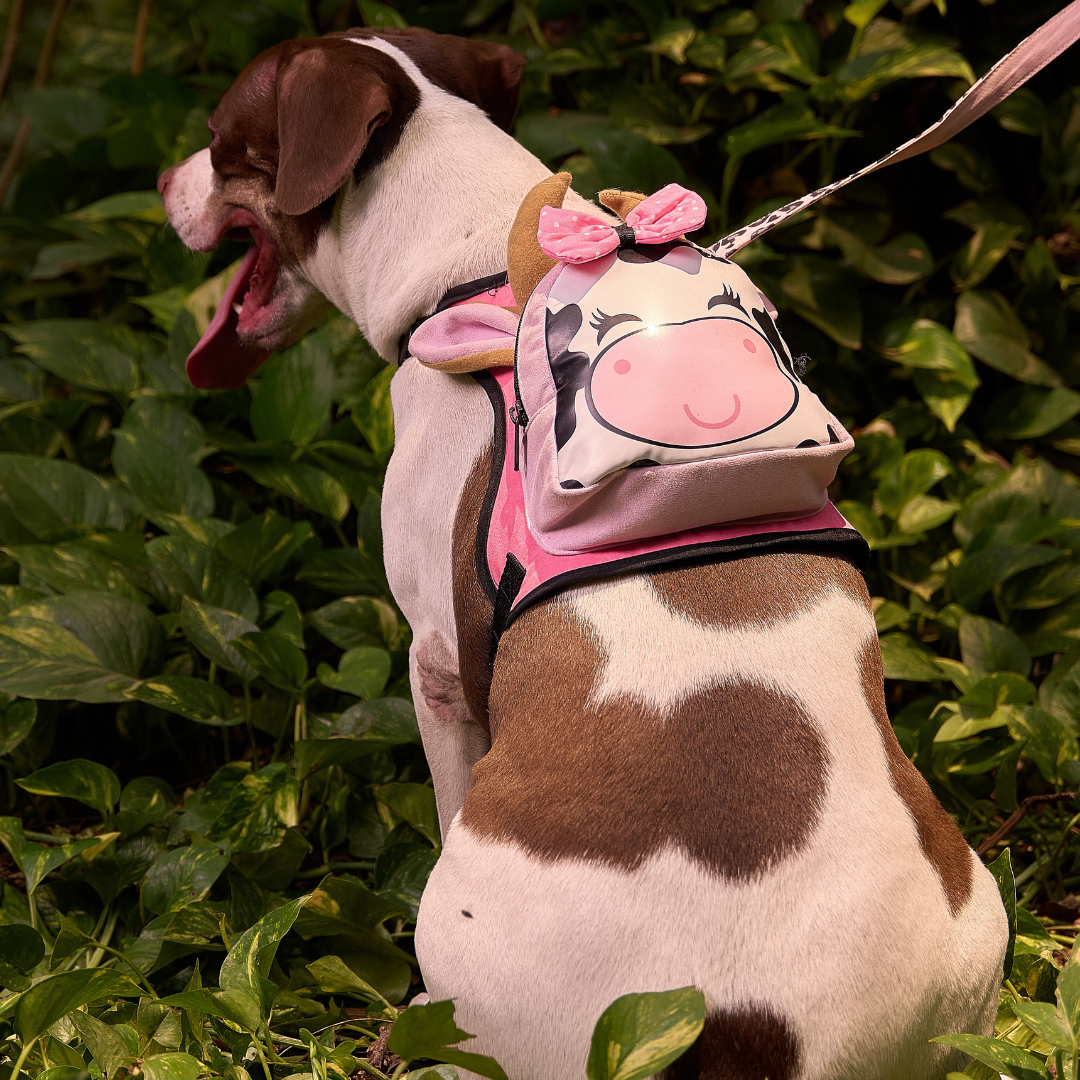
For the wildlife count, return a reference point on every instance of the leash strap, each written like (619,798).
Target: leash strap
(1007,75)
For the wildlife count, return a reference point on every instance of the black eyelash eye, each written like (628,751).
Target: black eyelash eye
(728,297)
(602,323)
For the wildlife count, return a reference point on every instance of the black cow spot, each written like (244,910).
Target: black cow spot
(642,463)
(571,485)
(467,914)
(570,370)
(805,443)
(645,253)
(768,328)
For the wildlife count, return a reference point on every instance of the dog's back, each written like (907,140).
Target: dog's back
(693,781)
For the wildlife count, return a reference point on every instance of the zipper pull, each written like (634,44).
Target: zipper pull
(520,419)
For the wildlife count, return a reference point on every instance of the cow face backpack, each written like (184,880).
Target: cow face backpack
(655,408)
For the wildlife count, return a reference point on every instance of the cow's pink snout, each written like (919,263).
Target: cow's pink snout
(691,384)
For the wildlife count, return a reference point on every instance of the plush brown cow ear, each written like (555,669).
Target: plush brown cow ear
(482,72)
(622,202)
(526,263)
(334,99)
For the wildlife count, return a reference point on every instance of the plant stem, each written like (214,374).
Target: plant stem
(22,1057)
(41,77)
(250,726)
(262,1056)
(142,25)
(11,43)
(327,868)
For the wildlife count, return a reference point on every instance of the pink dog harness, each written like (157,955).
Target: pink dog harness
(516,572)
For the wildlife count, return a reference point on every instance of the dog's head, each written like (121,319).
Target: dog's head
(304,120)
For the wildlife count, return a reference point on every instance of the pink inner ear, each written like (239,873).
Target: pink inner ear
(463,331)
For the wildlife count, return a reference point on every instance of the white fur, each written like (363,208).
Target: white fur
(841,940)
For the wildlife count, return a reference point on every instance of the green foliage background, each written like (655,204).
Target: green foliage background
(205,706)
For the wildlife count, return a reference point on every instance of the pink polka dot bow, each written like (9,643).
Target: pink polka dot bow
(574,237)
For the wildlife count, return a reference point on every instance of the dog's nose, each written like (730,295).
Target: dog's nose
(164,180)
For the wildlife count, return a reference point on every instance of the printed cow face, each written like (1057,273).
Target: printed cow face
(668,346)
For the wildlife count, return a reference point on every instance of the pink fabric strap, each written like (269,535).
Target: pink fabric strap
(1007,75)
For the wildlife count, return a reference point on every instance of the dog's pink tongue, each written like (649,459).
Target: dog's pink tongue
(220,361)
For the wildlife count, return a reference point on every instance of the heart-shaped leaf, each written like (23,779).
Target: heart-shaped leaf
(85,781)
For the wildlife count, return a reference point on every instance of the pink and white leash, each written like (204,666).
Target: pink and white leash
(1007,75)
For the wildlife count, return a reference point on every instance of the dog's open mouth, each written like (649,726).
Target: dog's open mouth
(222,360)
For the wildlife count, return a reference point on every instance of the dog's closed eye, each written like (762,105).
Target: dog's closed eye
(602,323)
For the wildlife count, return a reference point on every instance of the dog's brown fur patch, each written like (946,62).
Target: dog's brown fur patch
(472,609)
(744,1044)
(733,776)
(757,589)
(942,842)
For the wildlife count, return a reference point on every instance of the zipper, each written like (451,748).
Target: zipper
(518,415)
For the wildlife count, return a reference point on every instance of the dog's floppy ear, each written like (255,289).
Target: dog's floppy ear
(331,100)
(526,264)
(487,74)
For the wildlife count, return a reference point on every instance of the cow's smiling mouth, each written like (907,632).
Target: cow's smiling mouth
(721,424)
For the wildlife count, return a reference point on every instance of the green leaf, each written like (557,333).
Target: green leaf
(621,159)
(924,512)
(866,75)
(211,630)
(196,699)
(341,905)
(904,658)
(358,620)
(1031,412)
(1002,870)
(414,803)
(922,343)
(780,123)
(988,567)
(248,964)
(182,567)
(640,1034)
(988,328)
(159,477)
(362,671)
(822,294)
(429,1031)
(16,722)
(43,499)
(21,950)
(373,413)
(64,115)
(334,976)
(902,260)
(87,646)
(73,568)
(38,860)
(914,474)
(1059,693)
(89,352)
(311,487)
(105,1043)
(182,876)
(172,1066)
(989,244)
(274,657)
(292,400)
(85,781)
(375,13)
(1043,1019)
(137,205)
(1046,740)
(54,997)
(1067,993)
(262,546)
(986,646)
(1001,1056)
(68,942)
(945,396)
(259,810)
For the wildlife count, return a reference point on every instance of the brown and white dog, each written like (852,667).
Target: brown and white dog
(679,778)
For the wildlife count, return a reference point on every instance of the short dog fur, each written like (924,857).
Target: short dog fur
(669,779)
